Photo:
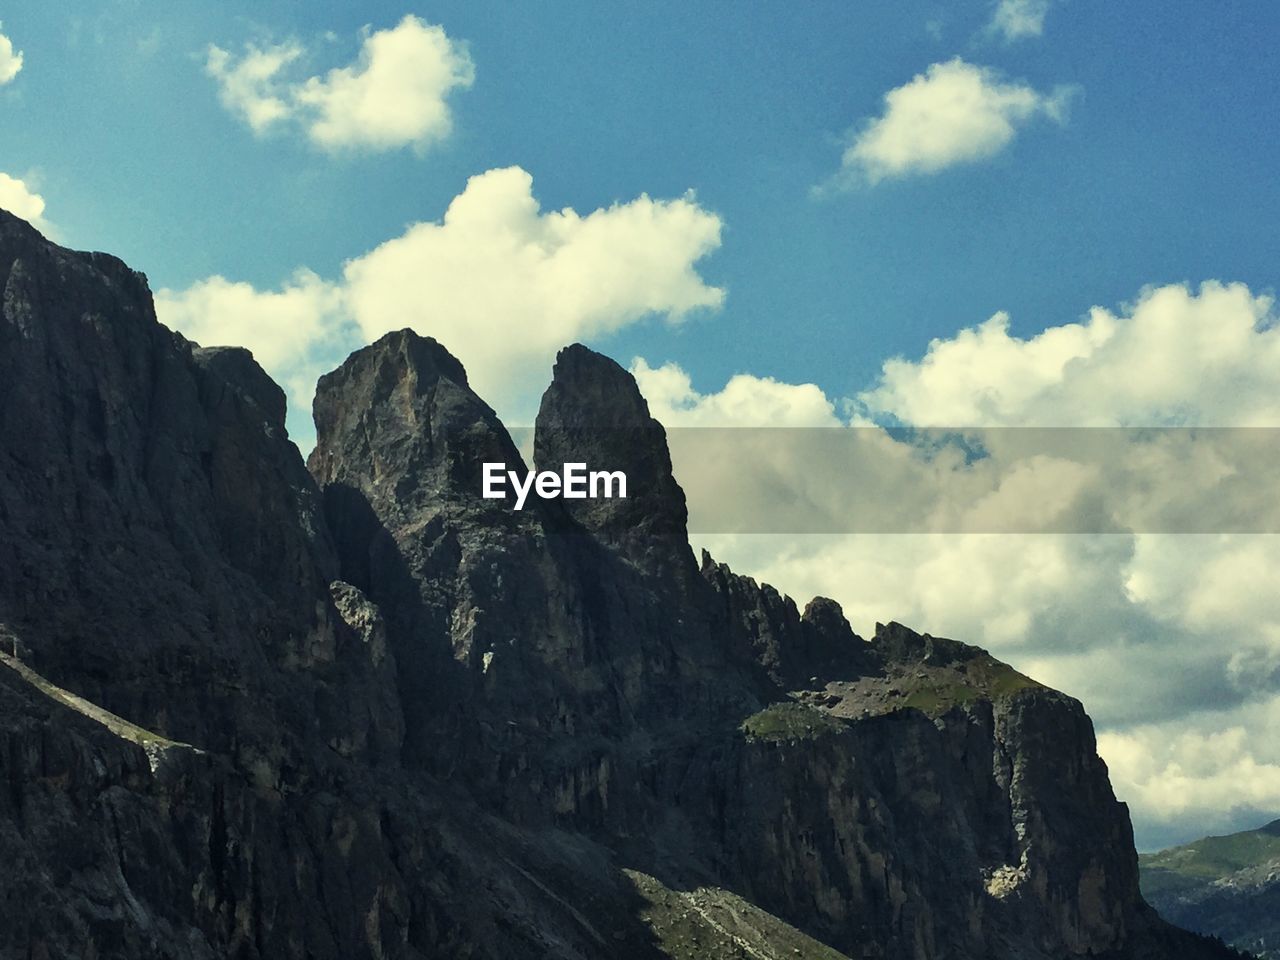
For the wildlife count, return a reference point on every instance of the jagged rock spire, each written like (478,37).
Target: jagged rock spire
(401,409)
(593,413)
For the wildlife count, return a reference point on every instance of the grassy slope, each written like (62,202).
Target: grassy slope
(985,677)
(1189,866)
(789,721)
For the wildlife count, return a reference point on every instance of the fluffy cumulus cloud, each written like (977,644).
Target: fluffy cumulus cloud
(1018,19)
(1227,585)
(953,113)
(250,85)
(499,281)
(504,283)
(1171,639)
(10,59)
(19,199)
(394,95)
(744,401)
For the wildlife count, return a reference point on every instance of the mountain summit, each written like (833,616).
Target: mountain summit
(253,710)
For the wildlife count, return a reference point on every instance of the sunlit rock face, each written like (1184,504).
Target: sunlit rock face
(250,710)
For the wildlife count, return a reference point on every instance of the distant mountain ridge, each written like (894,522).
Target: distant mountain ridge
(351,710)
(1226,886)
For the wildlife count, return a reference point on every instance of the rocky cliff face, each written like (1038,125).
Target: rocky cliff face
(248,713)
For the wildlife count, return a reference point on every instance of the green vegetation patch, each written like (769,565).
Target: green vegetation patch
(789,721)
(999,679)
(939,699)
(984,678)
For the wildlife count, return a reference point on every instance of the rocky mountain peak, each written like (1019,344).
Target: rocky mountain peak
(900,643)
(588,388)
(401,376)
(826,616)
(424,360)
(593,413)
(236,367)
(399,422)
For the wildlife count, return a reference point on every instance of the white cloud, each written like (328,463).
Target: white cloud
(833,480)
(19,199)
(953,113)
(744,401)
(1220,587)
(981,587)
(988,589)
(504,284)
(1210,357)
(251,86)
(394,95)
(498,281)
(10,60)
(1017,19)
(1227,584)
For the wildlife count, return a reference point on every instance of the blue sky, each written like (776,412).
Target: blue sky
(1163,172)
(833,185)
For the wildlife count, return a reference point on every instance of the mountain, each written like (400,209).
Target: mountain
(254,710)
(1226,886)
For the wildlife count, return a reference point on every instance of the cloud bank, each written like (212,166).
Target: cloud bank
(1206,357)
(1173,641)
(953,113)
(394,95)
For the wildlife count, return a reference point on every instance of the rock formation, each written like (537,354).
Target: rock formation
(252,711)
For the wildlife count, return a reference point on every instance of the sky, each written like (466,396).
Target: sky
(983,213)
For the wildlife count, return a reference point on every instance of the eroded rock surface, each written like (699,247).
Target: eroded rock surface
(252,711)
